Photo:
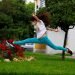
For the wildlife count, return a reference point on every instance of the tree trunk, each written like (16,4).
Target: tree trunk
(65,42)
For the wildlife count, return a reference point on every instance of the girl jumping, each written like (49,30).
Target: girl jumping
(41,38)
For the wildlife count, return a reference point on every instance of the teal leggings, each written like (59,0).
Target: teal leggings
(43,40)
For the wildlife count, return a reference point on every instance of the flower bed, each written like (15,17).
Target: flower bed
(7,52)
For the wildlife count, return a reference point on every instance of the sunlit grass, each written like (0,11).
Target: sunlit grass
(42,65)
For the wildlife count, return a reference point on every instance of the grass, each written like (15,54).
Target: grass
(43,65)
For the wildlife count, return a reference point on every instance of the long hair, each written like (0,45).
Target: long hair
(33,19)
(45,17)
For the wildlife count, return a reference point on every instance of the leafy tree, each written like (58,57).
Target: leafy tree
(61,10)
(5,20)
(62,14)
(15,14)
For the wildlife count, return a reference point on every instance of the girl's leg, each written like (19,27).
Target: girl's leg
(49,43)
(29,40)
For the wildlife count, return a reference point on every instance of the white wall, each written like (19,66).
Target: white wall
(57,38)
(71,39)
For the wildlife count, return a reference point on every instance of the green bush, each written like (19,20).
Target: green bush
(15,19)
(61,10)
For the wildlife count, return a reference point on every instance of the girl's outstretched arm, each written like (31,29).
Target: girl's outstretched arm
(55,30)
(36,17)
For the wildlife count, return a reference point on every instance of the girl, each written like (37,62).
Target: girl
(41,38)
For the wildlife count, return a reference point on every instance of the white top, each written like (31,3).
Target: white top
(40,29)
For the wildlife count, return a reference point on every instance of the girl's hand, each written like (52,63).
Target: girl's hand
(56,30)
(33,14)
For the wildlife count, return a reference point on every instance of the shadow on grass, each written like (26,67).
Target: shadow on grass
(28,73)
(22,74)
(46,57)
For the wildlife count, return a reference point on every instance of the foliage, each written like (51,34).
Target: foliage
(5,20)
(63,10)
(15,15)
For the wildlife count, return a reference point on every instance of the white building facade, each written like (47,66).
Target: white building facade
(39,4)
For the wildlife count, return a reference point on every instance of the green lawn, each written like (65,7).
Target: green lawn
(43,65)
